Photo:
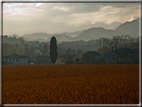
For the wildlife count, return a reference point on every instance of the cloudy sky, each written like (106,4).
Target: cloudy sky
(22,18)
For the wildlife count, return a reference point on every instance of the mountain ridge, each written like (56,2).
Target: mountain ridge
(129,27)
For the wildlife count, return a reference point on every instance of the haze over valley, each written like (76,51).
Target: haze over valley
(128,28)
(79,28)
(70,21)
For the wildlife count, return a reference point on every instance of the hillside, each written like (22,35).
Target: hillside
(61,37)
(95,33)
(14,35)
(131,28)
(34,36)
(73,34)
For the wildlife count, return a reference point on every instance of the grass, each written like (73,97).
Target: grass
(71,84)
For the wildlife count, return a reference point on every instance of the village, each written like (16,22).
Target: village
(120,56)
(37,53)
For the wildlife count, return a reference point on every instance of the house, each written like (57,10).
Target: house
(71,59)
(136,56)
(15,59)
(74,57)
(122,56)
(128,56)
(112,57)
(91,57)
(60,61)
(31,62)
(66,59)
(42,60)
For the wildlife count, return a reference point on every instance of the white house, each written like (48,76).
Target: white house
(15,59)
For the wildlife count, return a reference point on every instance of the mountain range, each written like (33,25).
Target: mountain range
(131,28)
(61,37)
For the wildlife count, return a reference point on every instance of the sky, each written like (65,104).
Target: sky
(51,18)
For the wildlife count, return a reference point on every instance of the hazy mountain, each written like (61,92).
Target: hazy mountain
(70,34)
(14,35)
(40,39)
(73,34)
(94,33)
(61,37)
(34,36)
(44,36)
(131,28)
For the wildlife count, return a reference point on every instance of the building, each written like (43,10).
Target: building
(122,56)
(60,61)
(128,56)
(66,59)
(74,57)
(91,57)
(136,56)
(112,57)
(42,60)
(15,59)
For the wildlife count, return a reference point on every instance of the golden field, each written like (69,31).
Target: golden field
(71,84)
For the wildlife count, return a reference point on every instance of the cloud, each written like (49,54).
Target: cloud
(107,14)
(32,26)
(88,25)
(61,8)
(24,18)
(112,25)
(15,9)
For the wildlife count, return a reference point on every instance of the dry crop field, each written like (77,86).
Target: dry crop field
(71,84)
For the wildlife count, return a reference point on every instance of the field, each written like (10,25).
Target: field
(71,84)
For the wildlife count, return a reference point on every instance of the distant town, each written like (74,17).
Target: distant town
(90,46)
(121,49)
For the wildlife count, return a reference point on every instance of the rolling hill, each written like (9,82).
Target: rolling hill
(94,33)
(130,28)
(61,37)
(34,36)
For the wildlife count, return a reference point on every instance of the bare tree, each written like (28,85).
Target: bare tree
(45,50)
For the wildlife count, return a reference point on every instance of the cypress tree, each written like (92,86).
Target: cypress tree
(53,50)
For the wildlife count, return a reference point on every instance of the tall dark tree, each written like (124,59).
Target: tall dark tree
(53,50)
